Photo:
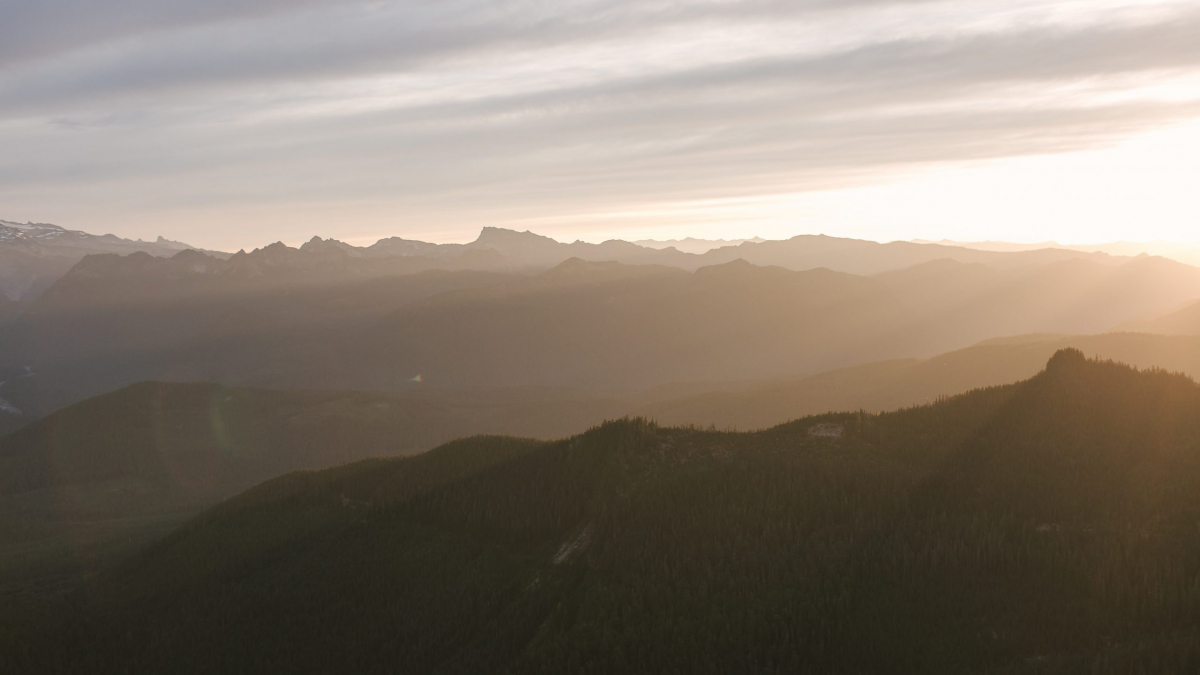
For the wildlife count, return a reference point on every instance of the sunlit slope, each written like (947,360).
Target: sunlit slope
(888,385)
(1041,527)
(1183,320)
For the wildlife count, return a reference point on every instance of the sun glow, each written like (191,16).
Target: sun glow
(1141,190)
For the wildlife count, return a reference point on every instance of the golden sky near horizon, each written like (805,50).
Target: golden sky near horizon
(234,123)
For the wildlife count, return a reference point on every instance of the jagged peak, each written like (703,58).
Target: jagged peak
(490,233)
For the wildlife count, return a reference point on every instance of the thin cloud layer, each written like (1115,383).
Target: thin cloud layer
(440,117)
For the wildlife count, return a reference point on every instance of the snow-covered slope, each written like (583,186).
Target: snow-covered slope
(34,255)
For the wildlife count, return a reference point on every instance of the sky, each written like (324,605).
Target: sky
(236,123)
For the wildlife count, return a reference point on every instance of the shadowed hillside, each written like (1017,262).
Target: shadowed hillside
(115,321)
(1042,527)
(95,480)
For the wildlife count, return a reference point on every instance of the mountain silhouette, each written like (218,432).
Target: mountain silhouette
(35,255)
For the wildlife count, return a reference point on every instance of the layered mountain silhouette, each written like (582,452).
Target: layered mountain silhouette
(799,253)
(693,244)
(258,319)
(1040,527)
(35,255)
(332,317)
(738,321)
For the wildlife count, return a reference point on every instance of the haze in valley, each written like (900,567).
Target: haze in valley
(718,336)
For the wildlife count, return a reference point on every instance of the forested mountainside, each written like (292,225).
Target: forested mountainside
(1042,527)
(119,470)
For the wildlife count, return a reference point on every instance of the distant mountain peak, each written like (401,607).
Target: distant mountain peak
(738,267)
(576,266)
(490,236)
(39,254)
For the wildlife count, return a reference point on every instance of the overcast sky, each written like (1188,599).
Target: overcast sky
(235,123)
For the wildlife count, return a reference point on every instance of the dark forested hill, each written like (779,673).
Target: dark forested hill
(1043,527)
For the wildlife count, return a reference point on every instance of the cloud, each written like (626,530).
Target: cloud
(77,51)
(33,30)
(470,109)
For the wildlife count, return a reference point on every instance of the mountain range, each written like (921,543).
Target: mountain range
(1041,527)
(35,255)
(402,314)
(1184,253)
(141,389)
(694,245)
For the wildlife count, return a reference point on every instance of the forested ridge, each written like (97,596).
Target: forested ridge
(1044,527)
